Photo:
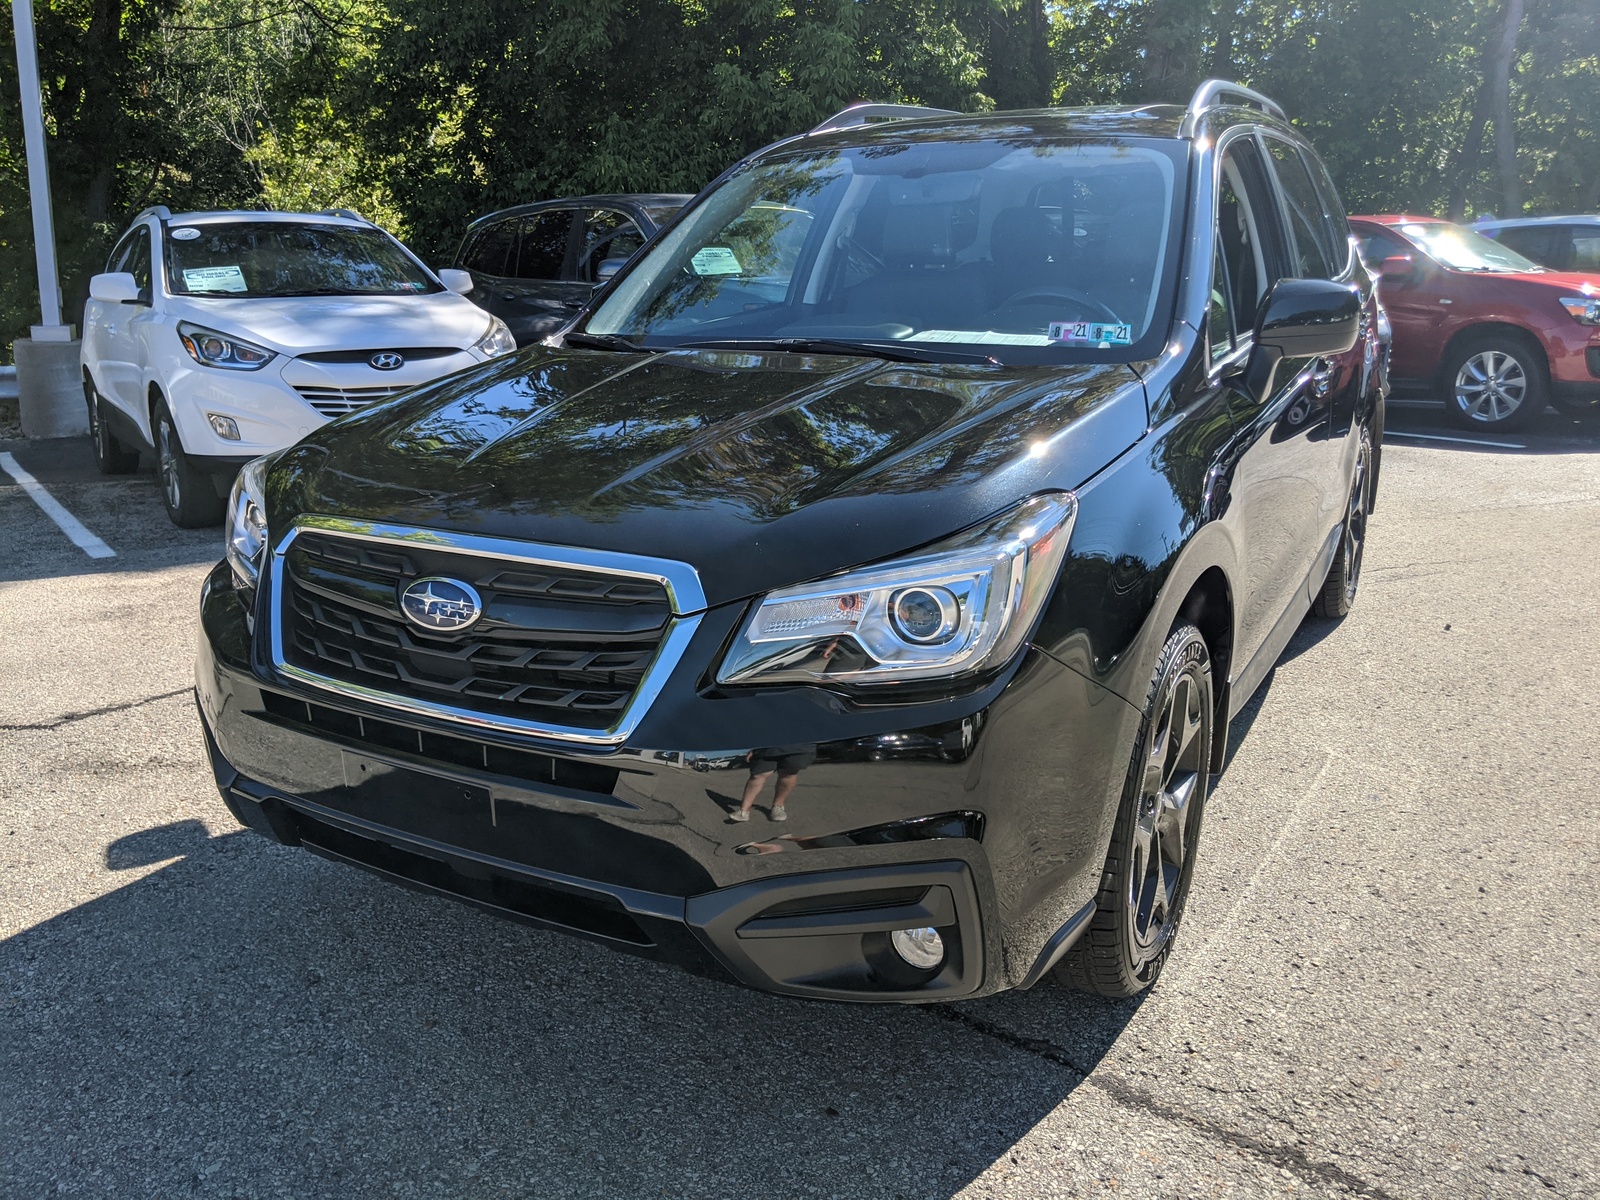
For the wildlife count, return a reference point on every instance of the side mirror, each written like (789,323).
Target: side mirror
(457,280)
(114,287)
(607,268)
(1300,318)
(1397,268)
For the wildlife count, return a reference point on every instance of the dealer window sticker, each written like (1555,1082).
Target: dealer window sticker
(715,260)
(214,279)
(1096,333)
(187,233)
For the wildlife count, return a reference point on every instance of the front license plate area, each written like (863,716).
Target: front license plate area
(419,802)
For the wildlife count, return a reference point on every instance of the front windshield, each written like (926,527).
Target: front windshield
(282,258)
(1016,248)
(1464,249)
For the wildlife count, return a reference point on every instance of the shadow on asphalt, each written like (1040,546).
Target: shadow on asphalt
(251,1020)
(1412,421)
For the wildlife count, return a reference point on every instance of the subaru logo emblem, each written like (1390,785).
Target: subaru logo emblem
(441,605)
(387,360)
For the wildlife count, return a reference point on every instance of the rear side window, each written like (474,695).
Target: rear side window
(1311,248)
(1585,249)
(491,248)
(1533,241)
(544,244)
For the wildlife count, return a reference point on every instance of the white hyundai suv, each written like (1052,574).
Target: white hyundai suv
(216,337)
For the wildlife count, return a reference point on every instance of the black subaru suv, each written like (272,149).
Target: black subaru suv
(854,605)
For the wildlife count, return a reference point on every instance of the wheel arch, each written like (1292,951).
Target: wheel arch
(1479,330)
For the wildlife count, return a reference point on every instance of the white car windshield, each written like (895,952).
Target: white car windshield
(1464,249)
(283,258)
(1024,249)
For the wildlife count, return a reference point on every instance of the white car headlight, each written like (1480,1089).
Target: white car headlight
(497,341)
(247,521)
(951,609)
(212,349)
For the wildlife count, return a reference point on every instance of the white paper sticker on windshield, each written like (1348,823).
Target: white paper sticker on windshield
(715,260)
(215,279)
(187,233)
(1099,333)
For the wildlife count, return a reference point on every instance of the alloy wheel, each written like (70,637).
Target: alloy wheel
(168,452)
(1174,771)
(1355,521)
(1490,386)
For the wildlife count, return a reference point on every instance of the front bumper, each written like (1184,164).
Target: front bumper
(989,823)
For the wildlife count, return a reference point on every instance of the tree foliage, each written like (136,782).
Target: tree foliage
(425,114)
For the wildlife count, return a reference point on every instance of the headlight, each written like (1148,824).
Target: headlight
(212,349)
(1585,310)
(247,521)
(951,609)
(497,341)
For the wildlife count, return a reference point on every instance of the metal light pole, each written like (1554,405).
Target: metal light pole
(50,328)
(47,363)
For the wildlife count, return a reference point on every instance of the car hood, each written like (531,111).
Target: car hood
(759,470)
(305,324)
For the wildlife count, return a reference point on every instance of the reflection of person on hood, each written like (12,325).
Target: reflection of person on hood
(788,762)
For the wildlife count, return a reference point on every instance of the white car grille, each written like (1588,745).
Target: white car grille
(336,402)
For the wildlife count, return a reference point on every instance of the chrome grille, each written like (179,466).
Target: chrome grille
(337,402)
(558,648)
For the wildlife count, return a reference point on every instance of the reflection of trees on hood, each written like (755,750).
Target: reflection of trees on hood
(596,435)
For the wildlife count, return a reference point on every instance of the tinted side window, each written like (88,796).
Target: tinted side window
(491,249)
(1585,249)
(544,244)
(1334,216)
(1310,242)
(1533,241)
(1375,247)
(606,234)
(1243,262)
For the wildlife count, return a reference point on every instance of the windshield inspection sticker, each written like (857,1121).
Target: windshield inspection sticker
(187,234)
(215,279)
(715,260)
(1096,332)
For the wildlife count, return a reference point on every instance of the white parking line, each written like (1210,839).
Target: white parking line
(1439,437)
(69,524)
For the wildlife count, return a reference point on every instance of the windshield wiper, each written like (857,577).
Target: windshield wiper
(888,351)
(605,341)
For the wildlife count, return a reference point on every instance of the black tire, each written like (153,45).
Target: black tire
(1495,382)
(189,493)
(111,456)
(1338,594)
(1146,878)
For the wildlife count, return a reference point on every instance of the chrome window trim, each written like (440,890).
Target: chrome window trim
(681,581)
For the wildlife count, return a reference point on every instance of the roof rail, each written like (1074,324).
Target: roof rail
(1210,94)
(861,114)
(349,214)
(160,211)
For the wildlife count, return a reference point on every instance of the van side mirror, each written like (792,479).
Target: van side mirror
(607,268)
(115,287)
(1396,268)
(1300,318)
(457,280)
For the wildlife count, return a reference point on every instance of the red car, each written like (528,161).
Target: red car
(1496,334)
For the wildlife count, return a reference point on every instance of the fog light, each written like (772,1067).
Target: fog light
(922,948)
(227,428)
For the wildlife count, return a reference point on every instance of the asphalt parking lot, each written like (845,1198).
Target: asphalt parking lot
(1386,986)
